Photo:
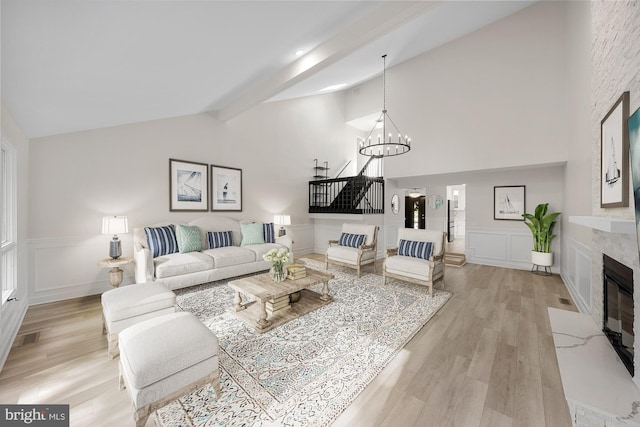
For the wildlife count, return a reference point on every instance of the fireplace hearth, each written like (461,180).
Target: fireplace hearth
(618,309)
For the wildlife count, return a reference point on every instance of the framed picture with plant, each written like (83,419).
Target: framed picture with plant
(614,155)
(509,202)
(188,186)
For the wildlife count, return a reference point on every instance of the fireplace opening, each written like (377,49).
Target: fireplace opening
(618,309)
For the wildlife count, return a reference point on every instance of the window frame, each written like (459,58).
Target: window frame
(8,219)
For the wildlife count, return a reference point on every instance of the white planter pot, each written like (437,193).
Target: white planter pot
(544,259)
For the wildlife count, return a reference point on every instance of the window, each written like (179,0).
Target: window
(8,220)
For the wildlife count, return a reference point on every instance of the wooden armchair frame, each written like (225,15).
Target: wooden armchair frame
(361,250)
(435,260)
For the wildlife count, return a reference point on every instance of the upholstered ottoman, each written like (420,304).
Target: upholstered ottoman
(126,306)
(164,358)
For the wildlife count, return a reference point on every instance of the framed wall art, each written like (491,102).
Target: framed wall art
(634,150)
(614,155)
(509,202)
(188,186)
(226,188)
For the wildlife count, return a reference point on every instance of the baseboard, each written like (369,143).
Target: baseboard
(10,328)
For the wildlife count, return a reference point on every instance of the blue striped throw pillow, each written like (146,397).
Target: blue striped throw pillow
(269,235)
(415,249)
(162,240)
(352,240)
(219,239)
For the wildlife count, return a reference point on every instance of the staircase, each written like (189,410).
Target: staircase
(455,259)
(354,191)
(361,194)
(351,194)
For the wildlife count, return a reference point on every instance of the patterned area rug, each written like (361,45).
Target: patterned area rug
(307,371)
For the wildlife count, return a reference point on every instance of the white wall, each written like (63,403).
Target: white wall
(392,222)
(498,242)
(576,239)
(436,218)
(579,154)
(12,312)
(492,99)
(498,99)
(79,177)
(516,116)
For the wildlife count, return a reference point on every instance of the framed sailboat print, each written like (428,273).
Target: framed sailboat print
(188,186)
(614,155)
(509,202)
(226,188)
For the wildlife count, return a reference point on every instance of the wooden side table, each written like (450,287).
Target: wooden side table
(115,274)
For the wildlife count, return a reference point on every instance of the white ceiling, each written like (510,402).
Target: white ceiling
(77,65)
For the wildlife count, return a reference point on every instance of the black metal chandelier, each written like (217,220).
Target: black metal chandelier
(384,145)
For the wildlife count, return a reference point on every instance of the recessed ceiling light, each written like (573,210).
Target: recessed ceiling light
(333,87)
(299,52)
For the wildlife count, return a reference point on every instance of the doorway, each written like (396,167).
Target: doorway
(456,220)
(414,212)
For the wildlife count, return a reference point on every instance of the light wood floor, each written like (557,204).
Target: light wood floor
(486,359)
(457,246)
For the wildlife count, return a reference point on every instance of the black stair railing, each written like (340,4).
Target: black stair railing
(361,194)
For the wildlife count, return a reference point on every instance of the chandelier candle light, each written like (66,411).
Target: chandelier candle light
(383,146)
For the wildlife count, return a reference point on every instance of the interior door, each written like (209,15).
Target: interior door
(414,212)
(408,212)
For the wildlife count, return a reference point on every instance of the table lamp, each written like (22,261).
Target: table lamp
(282,220)
(115,225)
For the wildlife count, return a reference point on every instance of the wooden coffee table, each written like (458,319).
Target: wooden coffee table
(267,292)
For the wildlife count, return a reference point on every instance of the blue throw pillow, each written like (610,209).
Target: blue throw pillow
(269,235)
(415,249)
(161,240)
(352,240)
(219,239)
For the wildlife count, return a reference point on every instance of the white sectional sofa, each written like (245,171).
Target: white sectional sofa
(179,270)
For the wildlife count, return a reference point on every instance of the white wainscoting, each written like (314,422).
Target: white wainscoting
(510,248)
(302,236)
(66,267)
(391,235)
(63,268)
(576,274)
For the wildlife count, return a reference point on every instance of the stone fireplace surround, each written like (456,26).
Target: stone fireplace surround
(624,249)
(599,389)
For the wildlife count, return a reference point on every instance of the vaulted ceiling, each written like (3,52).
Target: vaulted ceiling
(77,65)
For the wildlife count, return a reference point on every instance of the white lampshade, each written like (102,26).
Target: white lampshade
(115,225)
(282,219)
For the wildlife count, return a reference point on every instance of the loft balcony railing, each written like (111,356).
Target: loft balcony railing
(361,194)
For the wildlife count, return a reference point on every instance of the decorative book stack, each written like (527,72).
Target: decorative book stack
(277,304)
(296,271)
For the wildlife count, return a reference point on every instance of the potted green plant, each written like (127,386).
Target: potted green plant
(541,225)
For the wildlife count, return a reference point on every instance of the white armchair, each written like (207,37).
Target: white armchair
(413,261)
(356,247)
